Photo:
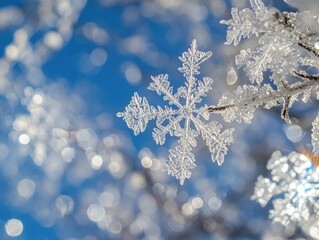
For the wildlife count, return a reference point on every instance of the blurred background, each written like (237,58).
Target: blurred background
(70,169)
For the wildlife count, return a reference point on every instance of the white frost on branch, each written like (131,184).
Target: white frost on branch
(293,189)
(293,186)
(287,48)
(246,22)
(272,54)
(288,45)
(184,120)
(242,103)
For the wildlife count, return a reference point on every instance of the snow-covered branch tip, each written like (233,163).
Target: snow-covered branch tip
(241,104)
(287,41)
(185,120)
(287,46)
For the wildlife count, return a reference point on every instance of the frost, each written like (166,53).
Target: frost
(272,55)
(184,120)
(246,22)
(238,100)
(294,186)
(242,103)
(240,26)
(277,50)
(286,48)
(282,40)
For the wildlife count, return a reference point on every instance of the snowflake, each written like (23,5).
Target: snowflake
(294,185)
(182,121)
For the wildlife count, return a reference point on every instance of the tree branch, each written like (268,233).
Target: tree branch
(306,76)
(303,41)
(283,95)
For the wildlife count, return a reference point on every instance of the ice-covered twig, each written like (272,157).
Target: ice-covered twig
(246,99)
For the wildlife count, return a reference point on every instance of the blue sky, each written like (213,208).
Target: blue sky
(114,49)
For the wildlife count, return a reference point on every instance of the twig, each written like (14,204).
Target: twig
(284,112)
(282,95)
(220,109)
(306,76)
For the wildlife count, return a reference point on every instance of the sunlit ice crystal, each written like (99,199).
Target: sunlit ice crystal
(182,117)
(292,188)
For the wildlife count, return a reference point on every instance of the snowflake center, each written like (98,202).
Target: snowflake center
(186,111)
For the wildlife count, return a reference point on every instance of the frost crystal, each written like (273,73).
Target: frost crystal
(287,46)
(246,22)
(294,185)
(184,120)
(315,135)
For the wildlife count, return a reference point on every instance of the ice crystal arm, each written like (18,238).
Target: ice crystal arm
(137,114)
(246,22)
(272,55)
(191,61)
(159,133)
(258,7)
(240,26)
(217,142)
(180,161)
(203,88)
(161,86)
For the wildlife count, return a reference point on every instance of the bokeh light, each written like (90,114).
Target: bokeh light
(14,227)
(70,169)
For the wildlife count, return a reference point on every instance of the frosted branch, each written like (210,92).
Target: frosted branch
(260,97)
(293,186)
